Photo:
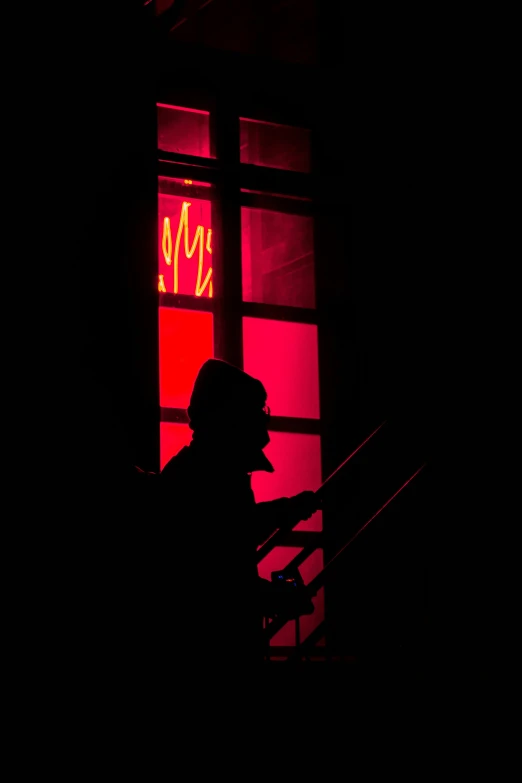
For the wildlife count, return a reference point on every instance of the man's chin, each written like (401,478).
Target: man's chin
(259,461)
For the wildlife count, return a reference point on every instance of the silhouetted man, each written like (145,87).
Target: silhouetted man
(218,525)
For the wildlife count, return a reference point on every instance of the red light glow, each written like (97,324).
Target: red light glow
(276,560)
(183,130)
(297,462)
(185,342)
(309,622)
(172,438)
(277,258)
(312,566)
(277,146)
(284,356)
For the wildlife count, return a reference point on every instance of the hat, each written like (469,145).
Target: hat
(222,389)
(224,394)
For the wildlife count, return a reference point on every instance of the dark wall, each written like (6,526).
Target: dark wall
(93,321)
(375,265)
(380,338)
(85,334)
(105,176)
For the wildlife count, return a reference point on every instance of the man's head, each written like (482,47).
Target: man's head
(228,406)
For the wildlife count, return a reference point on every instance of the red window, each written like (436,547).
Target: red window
(172,439)
(284,356)
(276,146)
(297,463)
(185,342)
(184,242)
(277,258)
(185,131)
(277,271)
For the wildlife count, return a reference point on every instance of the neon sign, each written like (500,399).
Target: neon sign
(198,243)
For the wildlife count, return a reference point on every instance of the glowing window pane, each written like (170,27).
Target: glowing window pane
(172,438)
(297,462)
(277,252)
(283,356)
(162,5)
(186,131)
(312,566)
(309,622)
(185,342)
(184,243)
(277,146)
(276,560)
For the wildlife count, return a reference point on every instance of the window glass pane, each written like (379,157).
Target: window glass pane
(186,131)
(297,462)
(297,467)
(172,438)
(185,342)
(309,622)
(281,556)
(184,241)
(283,356)
(276,146)
(312,566)
(277,251)
(162,5)
(276,560)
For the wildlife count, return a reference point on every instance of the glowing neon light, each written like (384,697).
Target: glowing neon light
(183,229)
(209,250)
(161,285)
(166,242)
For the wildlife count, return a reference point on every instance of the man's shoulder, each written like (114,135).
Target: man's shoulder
(179,465)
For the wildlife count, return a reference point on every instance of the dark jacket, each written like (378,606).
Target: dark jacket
(216,529)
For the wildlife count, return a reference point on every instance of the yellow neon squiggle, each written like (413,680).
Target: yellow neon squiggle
(166,242)
(183,229)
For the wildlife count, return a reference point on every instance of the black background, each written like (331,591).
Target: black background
(77,368)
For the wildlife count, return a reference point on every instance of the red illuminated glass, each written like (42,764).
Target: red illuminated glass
(276,560)
(186,131)
(277,251)
(297,467)
(309,622)
(283,355)
(172,438)
(184,244)
(312,566)
(162,5)
(185,342)
(276,146)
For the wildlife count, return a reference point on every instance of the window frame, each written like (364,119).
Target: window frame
(238,185)
(252,187)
